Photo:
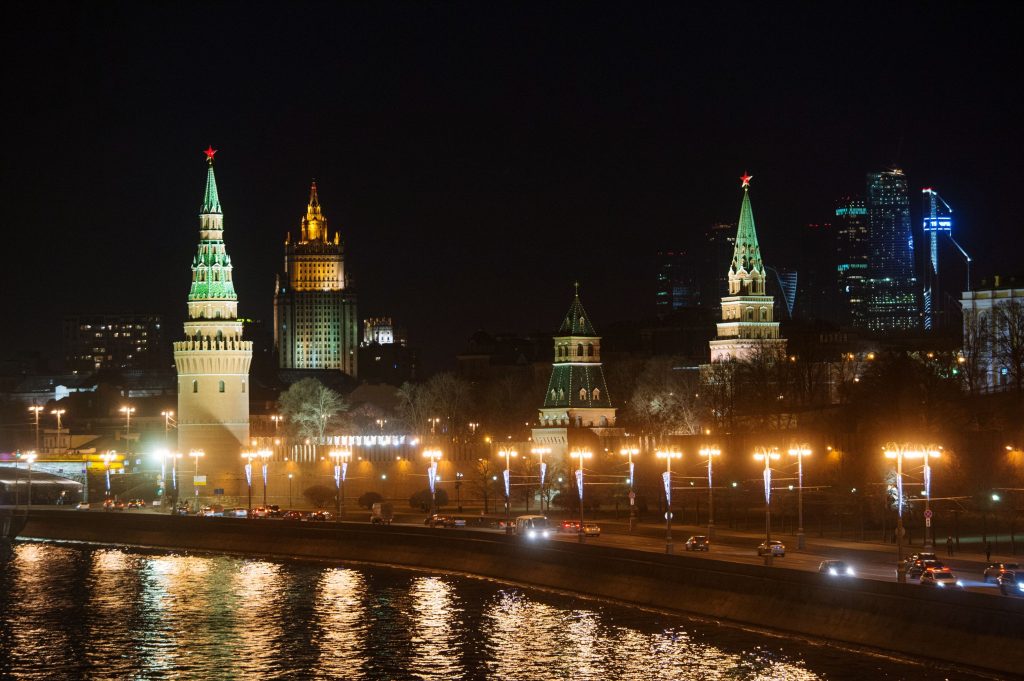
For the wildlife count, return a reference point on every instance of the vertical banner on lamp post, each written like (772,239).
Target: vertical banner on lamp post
(248,474)
(899,495)
(344,470)
(337,476)
(767,485)
(928,481)
(504,474)
(543,471)
(631,467)
(666,477)
(432,475)
(579,483)
(264,475)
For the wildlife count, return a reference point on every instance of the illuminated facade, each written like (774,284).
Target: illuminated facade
(893,299)
(213,360)
(111,341)
(748,325)
(852,255)
(315,320)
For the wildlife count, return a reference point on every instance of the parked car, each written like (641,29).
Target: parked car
(993,570)
(835,568)
(941,577)
(773,548)
(1010,584)
(698,542)
(437,520)
(382,513)
(533,527)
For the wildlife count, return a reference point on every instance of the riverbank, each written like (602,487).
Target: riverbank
(961,628)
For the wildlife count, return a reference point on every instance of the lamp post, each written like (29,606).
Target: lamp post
(58,413)
(174,474)
(127,411)
(107,457)
(341,458)
(800,451)
(710,452)
(265,455)
(667,479)
(276,418)
(249,456)
(168,417)
(508,453)
(458,490)
(433,455)
(580,454)
(899,452)
(289,490)
(929,452)
(433,424)
(540,452)
(196,454)
(630,452)
(35,412)
(30,457)
(767,455)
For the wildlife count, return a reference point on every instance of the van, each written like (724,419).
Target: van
(533,527)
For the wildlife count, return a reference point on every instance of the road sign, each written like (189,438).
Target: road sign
(927,522)
(928,514)
(199,480)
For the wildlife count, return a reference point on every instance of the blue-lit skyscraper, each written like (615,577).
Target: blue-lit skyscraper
(946,270)
(893,292)
(852,255)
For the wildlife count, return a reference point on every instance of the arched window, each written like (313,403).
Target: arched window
(579,350)
(764,314)
(220,386)
(590,349)
(583,393)
(750,314)
(596,394)
(195,386)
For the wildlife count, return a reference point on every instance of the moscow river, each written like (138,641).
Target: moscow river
(96,612)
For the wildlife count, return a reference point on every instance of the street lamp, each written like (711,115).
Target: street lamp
(580,454)
(929,452)
(107,457)
(289,490)
(540,452)
(127,411)
(249,456)
(433,424)
(30,457)
(58,413)
(341,458)
(276,418)
(458,490)
(767,455)
(710,452)
(168,417)
(800,451)
(433,455)
(667,479)
(910,451)
(508,453)
(630,452)
(265,455)
(196,454)
(35,411)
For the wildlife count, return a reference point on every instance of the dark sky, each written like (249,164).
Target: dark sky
(480,157)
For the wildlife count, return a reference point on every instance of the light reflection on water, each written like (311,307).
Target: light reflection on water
(76,611)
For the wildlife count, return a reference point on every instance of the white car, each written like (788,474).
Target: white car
(773,548)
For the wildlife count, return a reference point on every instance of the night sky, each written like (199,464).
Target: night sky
(477,158)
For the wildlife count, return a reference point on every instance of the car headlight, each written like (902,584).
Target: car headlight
(546,534)
(850,571)
(832,571)
(960,583)
(531,534)
(942,584)
(1020,586)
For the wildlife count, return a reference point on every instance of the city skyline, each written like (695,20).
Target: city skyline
(453,195)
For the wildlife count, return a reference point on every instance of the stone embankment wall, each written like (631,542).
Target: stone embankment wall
(964,628)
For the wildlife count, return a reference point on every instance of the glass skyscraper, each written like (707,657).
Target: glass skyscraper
(893,298)
(853,252)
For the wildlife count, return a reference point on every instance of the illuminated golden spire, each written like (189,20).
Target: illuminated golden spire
(314,225)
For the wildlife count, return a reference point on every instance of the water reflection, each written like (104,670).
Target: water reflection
(71,611)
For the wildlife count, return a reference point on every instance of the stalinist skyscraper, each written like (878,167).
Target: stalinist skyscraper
(748,327)
(212,362)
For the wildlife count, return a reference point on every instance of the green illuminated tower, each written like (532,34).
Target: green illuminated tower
(213,361)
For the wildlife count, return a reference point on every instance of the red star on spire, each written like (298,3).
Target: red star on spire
(745,179)
(210,151)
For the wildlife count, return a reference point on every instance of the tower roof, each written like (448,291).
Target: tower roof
(576,322)
(314,224)
(746,254)
(211,201)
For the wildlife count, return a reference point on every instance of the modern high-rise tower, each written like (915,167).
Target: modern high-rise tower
(213,361)
(946,270)
(893,303)
(852,244)
(315,320)
(748,325)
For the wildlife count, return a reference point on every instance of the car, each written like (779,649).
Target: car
(113,505)
(591,530)
(835,568)
(772,548)
(698,542)
(182,509)
(438,520)
(213,511)
(941,577)
(1010,584)
(569,526)
(993,570)
(136,503)
(294,515)
(318,516)
(236,512)
(260,512)
(83,506)
(918,567)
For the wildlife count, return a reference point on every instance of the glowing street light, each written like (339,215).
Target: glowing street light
(127,411)
(106,458)
(900,451)
(196,454)
(168,419)
(265,455)
(509,454)
(580,454)
(433,455)
(767,455)
(30,457)
(540,452)
(667,479)
(249,456)
(276,418)
(710,452)
(341,458)
(630,452)
(58,413)
(433,424)
(800,451)
(35,412)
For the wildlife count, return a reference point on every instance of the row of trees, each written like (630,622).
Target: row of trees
(995,336)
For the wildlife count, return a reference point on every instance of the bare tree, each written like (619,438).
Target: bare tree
(977,349)
(664,401)
(415,406)
(311,408)
(1009,339)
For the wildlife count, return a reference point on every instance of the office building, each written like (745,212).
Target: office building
(893,299)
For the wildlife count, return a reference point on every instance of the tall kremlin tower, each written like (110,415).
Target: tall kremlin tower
(212,363)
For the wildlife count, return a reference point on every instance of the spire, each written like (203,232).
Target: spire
(746,256)
(211,201)
(576,322)
(314,225)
